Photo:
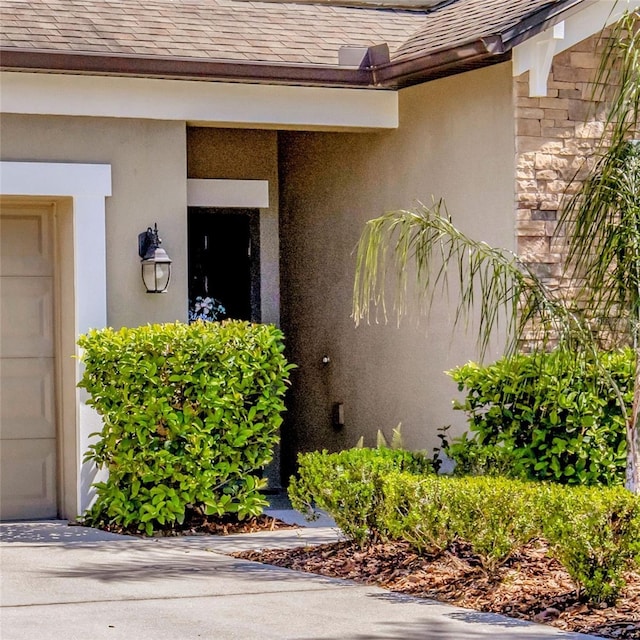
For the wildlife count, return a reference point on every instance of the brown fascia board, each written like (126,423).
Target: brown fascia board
(475,54)
(388,75)
(13,59)
(441,63)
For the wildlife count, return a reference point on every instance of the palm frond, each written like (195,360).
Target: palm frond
(494,282)
(603,224)
(616,80)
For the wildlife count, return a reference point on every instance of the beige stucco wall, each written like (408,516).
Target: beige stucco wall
(148,161)
(239,154)
(456,140)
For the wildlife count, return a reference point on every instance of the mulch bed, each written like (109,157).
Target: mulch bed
(530,585)
(199,525)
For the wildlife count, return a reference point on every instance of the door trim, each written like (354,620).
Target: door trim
(78,192)
(242,194)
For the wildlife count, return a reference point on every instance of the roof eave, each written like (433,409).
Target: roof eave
(395,74)
(541,20)
(391,75)
(445,62)
(88,63)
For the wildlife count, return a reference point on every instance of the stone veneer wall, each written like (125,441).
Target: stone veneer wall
(553,141)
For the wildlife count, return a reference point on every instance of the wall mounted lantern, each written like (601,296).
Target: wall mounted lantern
(156,264)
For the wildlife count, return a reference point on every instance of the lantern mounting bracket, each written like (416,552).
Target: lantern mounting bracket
(148,242)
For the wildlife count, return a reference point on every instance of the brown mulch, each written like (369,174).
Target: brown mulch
(199,525)
(530,585)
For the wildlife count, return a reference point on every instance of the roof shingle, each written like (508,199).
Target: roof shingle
(276,32)
(219,29)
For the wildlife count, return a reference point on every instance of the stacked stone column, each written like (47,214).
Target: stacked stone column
(556,138)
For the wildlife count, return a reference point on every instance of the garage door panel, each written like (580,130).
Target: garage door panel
(28,470)
(27,403)
(25,247)
(28,479)
(26,317)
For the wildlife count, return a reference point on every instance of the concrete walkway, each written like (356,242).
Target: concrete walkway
(62,582)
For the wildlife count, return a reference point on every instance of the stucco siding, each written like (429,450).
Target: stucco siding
(456,141)
(148,161)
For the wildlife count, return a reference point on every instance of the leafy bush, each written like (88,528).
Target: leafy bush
(417,509)
(474,459)
(495,516)
(595,534)
(190,417)
(546,417)
(379,494)
(348,485)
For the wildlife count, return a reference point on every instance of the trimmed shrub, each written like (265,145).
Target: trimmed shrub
(495,516)
(417,509)
(593,531)
(595,534)
(190,417)
(348,485)
(546,416)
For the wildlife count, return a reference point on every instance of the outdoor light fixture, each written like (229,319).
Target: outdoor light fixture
(156,264)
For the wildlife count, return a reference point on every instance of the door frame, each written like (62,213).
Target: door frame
(214,193)
(77,193)
(253,215)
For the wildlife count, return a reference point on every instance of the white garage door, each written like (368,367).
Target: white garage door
(27,366)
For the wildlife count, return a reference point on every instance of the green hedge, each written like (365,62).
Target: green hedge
(593,531)
(347,485)
(494,516)
(190,418)
(547,416)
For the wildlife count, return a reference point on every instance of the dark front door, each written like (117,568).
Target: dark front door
(224,264)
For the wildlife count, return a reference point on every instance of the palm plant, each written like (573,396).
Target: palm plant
(604,248)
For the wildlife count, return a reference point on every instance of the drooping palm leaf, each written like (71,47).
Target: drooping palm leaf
(604,221)
(492,282)
(603,217)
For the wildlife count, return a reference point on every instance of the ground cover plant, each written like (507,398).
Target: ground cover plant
(190,418)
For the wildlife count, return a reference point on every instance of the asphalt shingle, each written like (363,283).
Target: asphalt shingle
(220,29)
(276,32)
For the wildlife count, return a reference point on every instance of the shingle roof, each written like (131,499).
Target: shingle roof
(223,37)
(257,31)
(466,20)
(220,29)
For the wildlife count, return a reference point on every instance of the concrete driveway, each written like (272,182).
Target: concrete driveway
(62,582)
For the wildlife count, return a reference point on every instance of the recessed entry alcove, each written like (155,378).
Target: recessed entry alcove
(224,263)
